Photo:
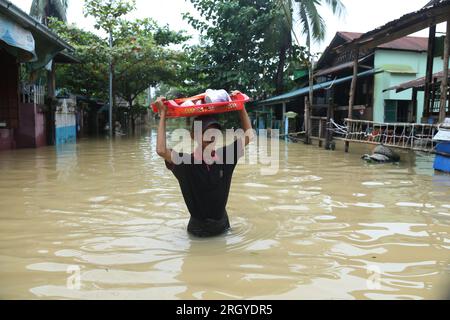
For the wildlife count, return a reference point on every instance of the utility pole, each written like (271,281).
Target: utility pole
(110,85)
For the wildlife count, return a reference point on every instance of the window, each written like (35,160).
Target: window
(397,111)
(390,111)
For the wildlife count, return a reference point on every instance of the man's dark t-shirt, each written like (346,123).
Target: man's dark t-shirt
(206,188)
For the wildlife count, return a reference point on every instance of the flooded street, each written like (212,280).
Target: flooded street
(327,226)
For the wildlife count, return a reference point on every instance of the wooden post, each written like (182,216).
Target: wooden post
(351,102)
(285,130)
(50,114)
(429,71)
(307,121)
(352,92)
(51,81)
(414,105)
(320,132)
(433,87)
(328,133)
(271,117)
(444,84)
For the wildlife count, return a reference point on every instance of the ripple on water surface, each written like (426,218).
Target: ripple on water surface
(110,212)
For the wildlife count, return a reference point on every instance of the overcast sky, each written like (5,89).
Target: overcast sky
(361,16)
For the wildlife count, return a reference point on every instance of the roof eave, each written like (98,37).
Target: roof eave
(401,49)
(66,58)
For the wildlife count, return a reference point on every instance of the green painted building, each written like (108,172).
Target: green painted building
(383,67)
(399,66)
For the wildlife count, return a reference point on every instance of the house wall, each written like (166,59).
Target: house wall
(388,59)
(26,132)
(21,124)
(66,122)
(9,99)
(7,140)
(31,132)
(66,131)
(40,130)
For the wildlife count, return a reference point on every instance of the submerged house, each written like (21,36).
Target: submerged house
(393,63)
(27,46)
(379,68)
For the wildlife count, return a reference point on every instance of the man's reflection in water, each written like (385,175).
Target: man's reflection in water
(214,269)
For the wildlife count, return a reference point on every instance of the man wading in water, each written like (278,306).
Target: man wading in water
(204,179)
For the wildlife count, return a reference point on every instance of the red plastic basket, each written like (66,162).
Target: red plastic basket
(174,110)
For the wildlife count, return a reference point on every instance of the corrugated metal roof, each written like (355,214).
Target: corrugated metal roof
(320,86)
(334,69)
(406,43)
(339,67)
(415,44)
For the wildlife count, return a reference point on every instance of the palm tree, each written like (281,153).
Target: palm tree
(43,9)
(313,27)
(281,37)
(312,22)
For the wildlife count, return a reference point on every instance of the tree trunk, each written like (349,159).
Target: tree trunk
(310,74)
(352,97)
(279,81)
(132,116)
(285,45)
(114,99)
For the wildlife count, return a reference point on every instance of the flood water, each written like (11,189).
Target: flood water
(327,226)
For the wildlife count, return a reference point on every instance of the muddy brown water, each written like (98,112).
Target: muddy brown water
(106,220)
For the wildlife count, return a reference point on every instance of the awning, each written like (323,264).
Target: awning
(19,41)
(64,57)
(47,43)
(320,86)
(398,68)
(417,83)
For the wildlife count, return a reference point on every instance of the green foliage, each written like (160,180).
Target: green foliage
(140,55)
(107,13)
(193,79)
(248,45)
(90,77)
(242,41)
(312,22)
(142,60)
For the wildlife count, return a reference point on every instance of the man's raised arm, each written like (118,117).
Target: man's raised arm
(161,147)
